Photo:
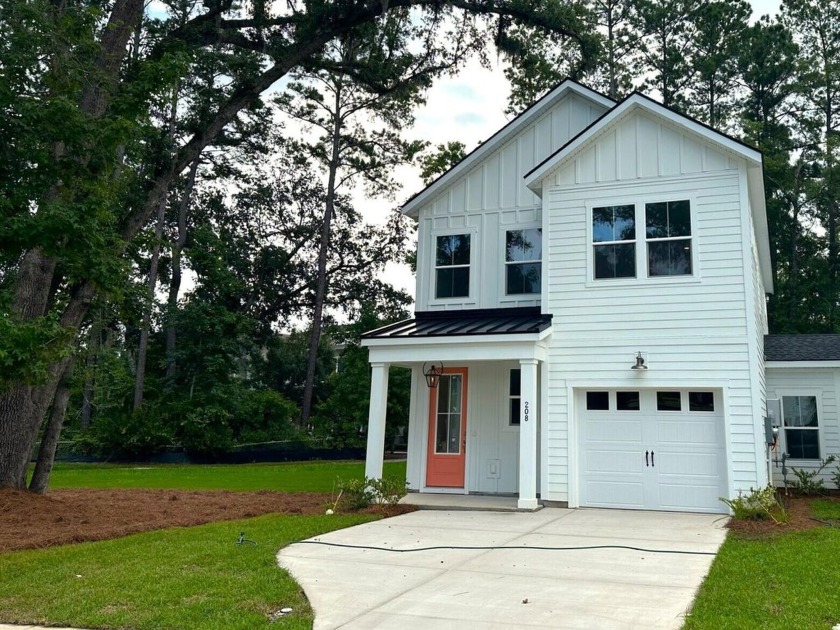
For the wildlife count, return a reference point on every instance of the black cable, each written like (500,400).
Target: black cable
(493,548)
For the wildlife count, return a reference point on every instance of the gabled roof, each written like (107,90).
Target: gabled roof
(504,134)
(639,102)
(802,348)
(496,321)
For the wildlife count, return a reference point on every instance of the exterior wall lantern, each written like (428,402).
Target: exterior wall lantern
(433,374)
(640,362)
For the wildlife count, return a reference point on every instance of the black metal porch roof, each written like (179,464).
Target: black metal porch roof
(806,347)
(494,321)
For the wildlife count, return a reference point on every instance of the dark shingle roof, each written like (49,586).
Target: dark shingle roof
(497,321)
(802,347)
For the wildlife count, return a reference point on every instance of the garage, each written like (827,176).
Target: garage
(652,450)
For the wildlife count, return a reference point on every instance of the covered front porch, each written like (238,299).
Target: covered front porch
(476,430)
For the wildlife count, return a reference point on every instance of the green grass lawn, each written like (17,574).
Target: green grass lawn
(785,582)
(175,579)
(284,477)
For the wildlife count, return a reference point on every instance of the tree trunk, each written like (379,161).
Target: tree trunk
(140,376)
(49,443)
(323,250)
(175,285)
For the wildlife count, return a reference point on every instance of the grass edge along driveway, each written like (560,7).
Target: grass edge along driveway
(196,577)
(784,581)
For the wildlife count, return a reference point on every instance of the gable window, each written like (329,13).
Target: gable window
(614,241)
(452,266)
(514,395)
(523,266)
(802,431)
(668,232)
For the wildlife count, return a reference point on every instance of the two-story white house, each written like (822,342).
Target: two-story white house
(592,280)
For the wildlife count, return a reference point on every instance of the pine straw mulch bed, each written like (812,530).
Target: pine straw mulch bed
(800,518)
(60,517)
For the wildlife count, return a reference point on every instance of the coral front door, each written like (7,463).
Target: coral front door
(448,430)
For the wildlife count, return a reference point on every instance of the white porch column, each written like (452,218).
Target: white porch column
(376,420)
(528,436)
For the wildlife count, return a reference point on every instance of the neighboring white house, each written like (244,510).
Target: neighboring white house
(593,280)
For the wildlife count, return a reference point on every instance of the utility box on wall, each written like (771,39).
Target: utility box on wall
(773,420)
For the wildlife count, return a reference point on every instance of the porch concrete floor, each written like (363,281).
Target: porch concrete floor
(508,588)
(493,503)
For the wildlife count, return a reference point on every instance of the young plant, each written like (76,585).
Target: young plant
(757,505)
(808,482)
(387,492)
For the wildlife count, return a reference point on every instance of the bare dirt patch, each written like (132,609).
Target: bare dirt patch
(68,516)
(799,518)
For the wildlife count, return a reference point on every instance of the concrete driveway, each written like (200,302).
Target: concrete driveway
(508,588)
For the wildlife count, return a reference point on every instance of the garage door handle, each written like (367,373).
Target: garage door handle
(652,462)
(646,459)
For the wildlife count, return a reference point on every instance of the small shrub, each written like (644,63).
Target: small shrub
(808,481)
(354,494)
(835,477)
(761,504)
(387,492)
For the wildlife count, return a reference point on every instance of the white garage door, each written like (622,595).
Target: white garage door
(652,450)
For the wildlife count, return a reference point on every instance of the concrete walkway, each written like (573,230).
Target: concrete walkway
(484,589)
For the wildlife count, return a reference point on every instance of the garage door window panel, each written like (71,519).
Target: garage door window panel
(627,401)
(701,401)
(597,401)
(668,401)
(802,431)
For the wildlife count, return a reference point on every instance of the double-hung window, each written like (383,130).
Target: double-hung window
(668,232)
(523,266)
(802,427)
(452,266)
(614,241)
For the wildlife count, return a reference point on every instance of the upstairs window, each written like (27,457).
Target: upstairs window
(614,241)
(668,232)
(523,266)
(452,266)
(802,427)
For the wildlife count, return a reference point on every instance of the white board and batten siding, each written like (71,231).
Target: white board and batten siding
(824,384)
(696,332)
(489,199)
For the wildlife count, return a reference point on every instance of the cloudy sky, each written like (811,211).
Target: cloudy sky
(470,108)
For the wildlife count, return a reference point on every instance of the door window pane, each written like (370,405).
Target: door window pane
(514,396)
(668,401)
(701,401)
(448,423)
(597,401)
(627,401)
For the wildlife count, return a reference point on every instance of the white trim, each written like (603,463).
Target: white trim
(454,353)
(802,364)
(564,90)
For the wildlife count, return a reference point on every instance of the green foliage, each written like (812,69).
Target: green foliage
(28,348)
(357,494)
(123,434)
(808,481)
(353,494)
(758,504)
(342,418)
(436,162)
(835,477)
(387,492)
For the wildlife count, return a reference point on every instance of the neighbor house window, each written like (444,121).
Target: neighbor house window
(515,395)
(802,431)
(523,269)
(614,241)
(668,232)
(452,266)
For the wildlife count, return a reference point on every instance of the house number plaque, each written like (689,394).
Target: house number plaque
(525,411)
